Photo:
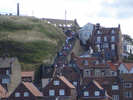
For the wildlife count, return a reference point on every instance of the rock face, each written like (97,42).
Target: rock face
(85,32)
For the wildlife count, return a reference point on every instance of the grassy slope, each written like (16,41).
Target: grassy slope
(32,40)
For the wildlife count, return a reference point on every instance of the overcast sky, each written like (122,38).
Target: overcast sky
(108,13)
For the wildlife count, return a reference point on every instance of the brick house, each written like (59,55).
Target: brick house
(26,91)
(10,73)
(72,75)
(126,87)
(59,89)
(105,73)
(93,91)
(93,67)
(27,76)
(107,42)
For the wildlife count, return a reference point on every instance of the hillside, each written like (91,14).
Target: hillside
(30,39)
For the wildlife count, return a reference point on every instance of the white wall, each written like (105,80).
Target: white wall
(123,69)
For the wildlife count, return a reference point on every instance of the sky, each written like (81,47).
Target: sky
(109,13)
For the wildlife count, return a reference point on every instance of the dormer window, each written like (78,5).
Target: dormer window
(86,93)
(56,82)
(97,93)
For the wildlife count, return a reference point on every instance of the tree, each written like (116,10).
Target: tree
(128,38)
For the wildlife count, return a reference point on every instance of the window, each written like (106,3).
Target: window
(97,93)
(113,38)
(26,94)
(113,31)
(113,46)
(115,87)
(5,80)
(98,47)
(127,85)
(85,62)
(7,72)
(115,97)
(105,38)
(98,32)
(114,73)
(17,94)
(98,39)
(97,62)
(56,82)
(105,45)
(61,92)
(86,93)
(128,94)
(75,83)
(97,72)
(51,92)
(87,72)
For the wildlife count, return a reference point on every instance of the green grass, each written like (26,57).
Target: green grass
(30,39)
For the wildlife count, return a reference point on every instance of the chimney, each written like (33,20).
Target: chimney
(119,26)
(97,26)
(17,9)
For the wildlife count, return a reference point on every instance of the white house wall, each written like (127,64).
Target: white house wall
(123,69)
(131,71)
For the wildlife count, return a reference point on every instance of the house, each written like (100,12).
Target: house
(63,24)
(93,91)
(72,75)
(46,74)
(107,42)
(111,84)
(59,89)
(127,47)
(93,67)
(126,87)
(27,76)
(10,73)
(85,33)
(26,91)
(3,93)
(126,68)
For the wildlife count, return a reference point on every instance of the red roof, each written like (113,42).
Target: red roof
(3,92)
(32,88)
(98,85)
(66,81)
(112,66)
(28,74)
(129,66)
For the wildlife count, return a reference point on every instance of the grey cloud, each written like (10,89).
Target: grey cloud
(122,9)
